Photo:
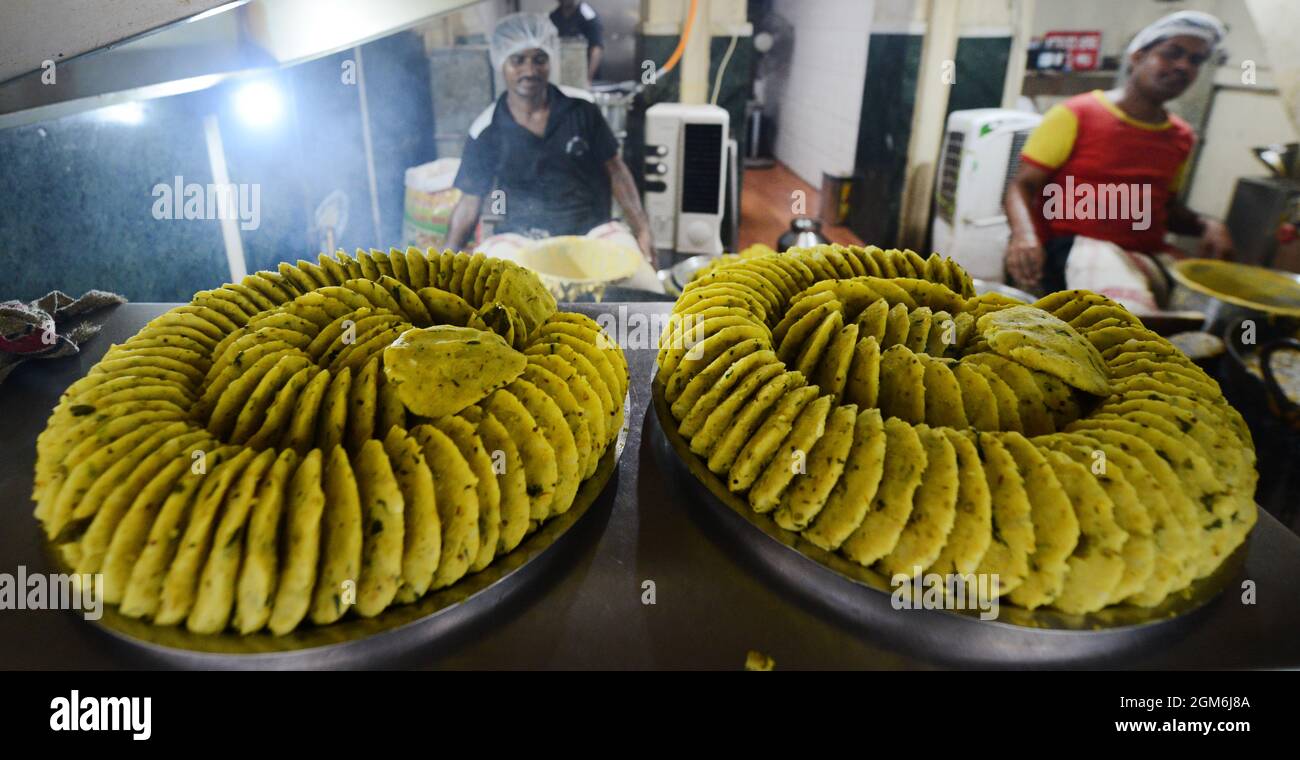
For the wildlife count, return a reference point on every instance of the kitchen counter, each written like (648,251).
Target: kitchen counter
(713,600)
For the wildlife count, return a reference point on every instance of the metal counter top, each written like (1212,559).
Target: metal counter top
(714,599)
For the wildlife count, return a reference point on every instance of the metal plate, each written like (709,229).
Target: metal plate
(684,271)
(988,286)
(400,626)
(1267,290)
(824,574)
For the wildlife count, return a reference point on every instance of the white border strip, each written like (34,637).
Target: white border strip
(234,244)
(369,147)
(917,28)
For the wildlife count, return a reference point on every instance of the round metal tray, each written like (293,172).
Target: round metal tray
(356,640)
(1253,288)
(988,286)
(853,589)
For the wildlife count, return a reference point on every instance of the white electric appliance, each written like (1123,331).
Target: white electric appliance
(685,176)
(981,154)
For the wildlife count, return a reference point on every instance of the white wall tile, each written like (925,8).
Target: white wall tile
(822,101)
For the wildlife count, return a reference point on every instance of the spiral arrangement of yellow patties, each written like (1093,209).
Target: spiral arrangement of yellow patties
(870,401)
(261,456)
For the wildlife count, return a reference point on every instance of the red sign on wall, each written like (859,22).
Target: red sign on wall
(1082,47)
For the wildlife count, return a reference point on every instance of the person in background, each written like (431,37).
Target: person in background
(547,148)
(1097,142)
(574,19)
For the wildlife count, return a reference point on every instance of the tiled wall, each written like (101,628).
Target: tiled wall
(889,95)
(886,120)
(845,106)
(821,99)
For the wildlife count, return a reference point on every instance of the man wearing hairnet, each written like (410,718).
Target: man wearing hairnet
(1098,182)
(547,149)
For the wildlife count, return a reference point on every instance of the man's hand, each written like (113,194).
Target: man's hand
(1216,241)
(463,218)
(1025,257)
(647,245)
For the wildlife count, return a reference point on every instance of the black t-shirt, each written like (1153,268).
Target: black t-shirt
(555,184)
(583,22)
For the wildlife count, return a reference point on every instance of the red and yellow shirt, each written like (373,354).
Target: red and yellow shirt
(1087,141)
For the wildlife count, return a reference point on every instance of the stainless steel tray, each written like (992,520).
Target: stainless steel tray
(356,640)
(851,589)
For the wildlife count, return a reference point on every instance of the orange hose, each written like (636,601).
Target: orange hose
(681,44)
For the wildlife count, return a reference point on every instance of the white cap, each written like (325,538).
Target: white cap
(1183,23)
(524,31)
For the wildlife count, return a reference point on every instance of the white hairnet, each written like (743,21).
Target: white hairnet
(524,31)
(1183,23)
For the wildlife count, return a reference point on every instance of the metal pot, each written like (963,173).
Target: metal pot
(614,102)
(675,277)
(1266,394)
(804,232)
(1281,403)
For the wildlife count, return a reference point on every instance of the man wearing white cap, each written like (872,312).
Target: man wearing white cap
(547,148)
(1098,183)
